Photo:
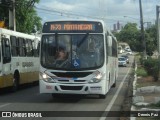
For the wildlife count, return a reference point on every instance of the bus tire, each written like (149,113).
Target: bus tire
(15,82)
(102,96)
(114,84)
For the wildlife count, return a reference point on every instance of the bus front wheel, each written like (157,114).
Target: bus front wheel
(15,83)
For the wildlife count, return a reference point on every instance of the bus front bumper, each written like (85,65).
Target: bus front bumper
(59,88)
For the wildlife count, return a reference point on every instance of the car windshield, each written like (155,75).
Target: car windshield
(121,59)
(72,52)
(125,56)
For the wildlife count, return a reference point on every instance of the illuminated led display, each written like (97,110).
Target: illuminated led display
(72,26)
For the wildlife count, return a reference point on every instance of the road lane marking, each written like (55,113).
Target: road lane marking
(108,108)
(1,106)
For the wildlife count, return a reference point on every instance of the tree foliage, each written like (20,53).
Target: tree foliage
(27,20)
(132,35)
(4,12)
(26,16)
(151,39)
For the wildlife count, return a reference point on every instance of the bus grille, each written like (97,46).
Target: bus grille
(68,81)
(71,87)
(72,74)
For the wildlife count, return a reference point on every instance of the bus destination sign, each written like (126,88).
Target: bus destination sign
(72,26)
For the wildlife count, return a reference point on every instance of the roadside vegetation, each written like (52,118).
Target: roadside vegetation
(147,67)
(27,19)
(131,34)
(147,72)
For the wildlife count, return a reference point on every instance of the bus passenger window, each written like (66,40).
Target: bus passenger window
(14,46)
(29,48)
(6,50)
(22,47)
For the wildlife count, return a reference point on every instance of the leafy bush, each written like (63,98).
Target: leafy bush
(151,65)
(141,72)
(158,104)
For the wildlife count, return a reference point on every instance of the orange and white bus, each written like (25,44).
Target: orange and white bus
(19,58)
(77,57)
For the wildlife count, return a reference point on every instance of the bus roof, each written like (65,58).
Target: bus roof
(92,20)
(75,21)
(15,33)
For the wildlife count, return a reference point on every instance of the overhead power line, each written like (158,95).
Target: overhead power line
(71,14)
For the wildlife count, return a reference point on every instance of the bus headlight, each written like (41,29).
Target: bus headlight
(46,77)
(97,77)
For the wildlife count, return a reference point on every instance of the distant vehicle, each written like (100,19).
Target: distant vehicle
(90,50)
(129,52)
(120,49)
(19,58)
(126,57)
(122,61)
(127,49)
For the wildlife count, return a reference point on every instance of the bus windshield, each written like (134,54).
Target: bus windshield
(72,51)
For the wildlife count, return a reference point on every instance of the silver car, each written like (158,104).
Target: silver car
(122,61)
(126,57)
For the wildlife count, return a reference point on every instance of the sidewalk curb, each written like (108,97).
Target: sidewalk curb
(134,92)
(139,100)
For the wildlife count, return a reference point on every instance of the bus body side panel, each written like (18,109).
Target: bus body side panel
(6,81)
(33,69)
(28,67)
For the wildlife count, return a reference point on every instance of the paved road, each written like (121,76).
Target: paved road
(29,99)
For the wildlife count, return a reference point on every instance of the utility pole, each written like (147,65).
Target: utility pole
(158,26)
(12,14)
(142,30)
(158,37)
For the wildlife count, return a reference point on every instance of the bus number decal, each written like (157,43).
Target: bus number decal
(27,64)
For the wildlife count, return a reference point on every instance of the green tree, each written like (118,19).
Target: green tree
(27,20)
(26,16)
(151,39)
(131,35)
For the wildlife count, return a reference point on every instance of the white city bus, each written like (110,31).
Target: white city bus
(77,57)
(19,58)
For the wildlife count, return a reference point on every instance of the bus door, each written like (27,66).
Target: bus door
(6,62)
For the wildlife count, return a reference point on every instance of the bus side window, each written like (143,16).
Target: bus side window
(114,48)
(29,47)
(6,50)
(38,49)
(22,47)
(14,46)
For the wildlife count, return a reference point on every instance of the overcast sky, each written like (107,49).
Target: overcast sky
(111,10)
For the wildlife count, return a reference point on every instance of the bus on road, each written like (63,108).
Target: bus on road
(77,57)
(19,58)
